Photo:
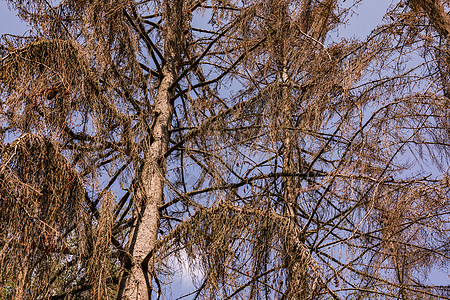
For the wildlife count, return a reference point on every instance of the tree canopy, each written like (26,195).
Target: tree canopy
(235,136)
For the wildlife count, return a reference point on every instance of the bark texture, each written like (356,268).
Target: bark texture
(138,283)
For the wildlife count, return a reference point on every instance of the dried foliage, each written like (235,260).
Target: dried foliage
(231,135)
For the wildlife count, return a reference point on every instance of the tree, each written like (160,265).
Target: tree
(233,135)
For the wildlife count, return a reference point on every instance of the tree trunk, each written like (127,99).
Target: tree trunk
(149,198)
(295,260)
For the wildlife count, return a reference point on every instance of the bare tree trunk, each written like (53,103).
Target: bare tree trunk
(293,258)
(295,261)
(295,264)
(150,193)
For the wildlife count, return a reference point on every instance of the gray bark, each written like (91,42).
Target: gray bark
(150,193)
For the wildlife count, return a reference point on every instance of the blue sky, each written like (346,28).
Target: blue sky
(9,22)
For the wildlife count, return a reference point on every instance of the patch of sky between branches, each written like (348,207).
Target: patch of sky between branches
(10,22)
(362,20)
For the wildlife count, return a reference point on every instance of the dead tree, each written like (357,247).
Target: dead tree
(234,136)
